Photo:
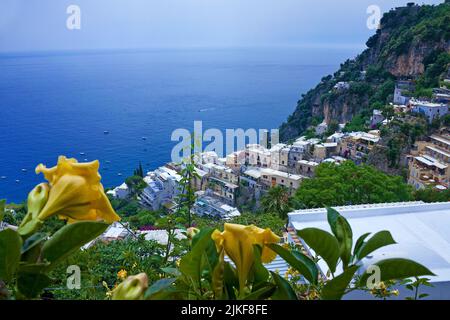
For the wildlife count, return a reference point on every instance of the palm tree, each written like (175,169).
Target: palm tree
(277,200)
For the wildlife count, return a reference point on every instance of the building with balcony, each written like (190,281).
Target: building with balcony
(162,188)
(429,163)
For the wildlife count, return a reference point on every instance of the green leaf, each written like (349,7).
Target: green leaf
(2,209)
(299,262)
(158,288)
(262,293)
(335,288)
(10,244)
(379,240)
(33,267)
(33,241)
(283,290)
(343,232)
(218,277)
(71,238)
(359,243)
(191,263)
(397,269)
(323,243)
(231,280)
(31,285)
(259,272)
(171,271)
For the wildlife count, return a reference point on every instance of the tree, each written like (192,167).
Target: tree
(349,184)
(277,201)
(136,184)
(139,171)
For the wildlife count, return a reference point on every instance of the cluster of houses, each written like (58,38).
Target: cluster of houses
(223,184)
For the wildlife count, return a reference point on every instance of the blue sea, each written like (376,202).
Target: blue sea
(61,103)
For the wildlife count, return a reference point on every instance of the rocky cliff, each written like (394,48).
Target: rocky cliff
(408,40)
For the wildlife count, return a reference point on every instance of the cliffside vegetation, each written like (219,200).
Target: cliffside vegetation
(413,42)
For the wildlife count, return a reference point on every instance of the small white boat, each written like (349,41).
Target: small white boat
(24,170)
(17,181)
(106,132)
(82,153)
(119,174)
(3,177)
(144,138)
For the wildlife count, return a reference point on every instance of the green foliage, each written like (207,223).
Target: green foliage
(349,184)
(436,64)
(71,238)
(277,201)
(26,262)
(10,244)
(358,123)
(432,195)
(135,184)
(101,263)
(262,220)
(143,218)
(139,171)
(415,285)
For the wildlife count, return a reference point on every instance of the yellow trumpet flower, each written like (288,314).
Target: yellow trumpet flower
(76,193)
(238,240)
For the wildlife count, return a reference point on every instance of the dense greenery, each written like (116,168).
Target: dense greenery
(349,184)
(100,265)
(432,195)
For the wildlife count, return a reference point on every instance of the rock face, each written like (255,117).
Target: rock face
(407,37)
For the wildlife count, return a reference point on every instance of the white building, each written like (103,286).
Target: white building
(421,230)
(429,110)
(212,207)
(377,117)
(163,187)
(120,192)
(321,128)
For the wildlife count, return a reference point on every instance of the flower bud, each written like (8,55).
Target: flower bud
(37,198)
(133,288)
(192,232)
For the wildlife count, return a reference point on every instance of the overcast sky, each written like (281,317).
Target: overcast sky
(31,25)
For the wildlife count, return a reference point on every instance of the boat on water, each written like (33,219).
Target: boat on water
(82,153)
(3,177)
(105,132)
(17,181)
(144,138)
(119,174)
(24,170)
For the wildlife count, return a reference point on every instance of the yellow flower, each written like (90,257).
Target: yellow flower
(133,288)
(76,193)
(395,293)
(238,240)
(122,274)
